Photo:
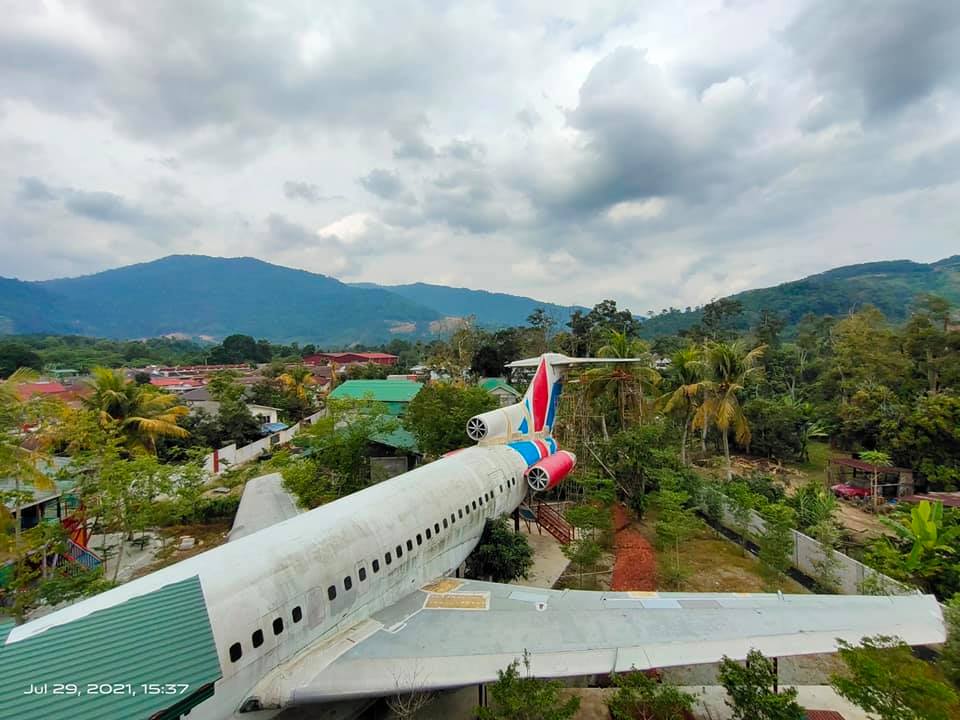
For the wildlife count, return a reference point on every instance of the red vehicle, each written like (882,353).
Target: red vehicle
(849,492)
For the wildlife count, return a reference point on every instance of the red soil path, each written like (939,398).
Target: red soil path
(635,565)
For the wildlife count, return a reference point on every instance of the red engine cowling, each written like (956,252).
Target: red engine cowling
(551,470)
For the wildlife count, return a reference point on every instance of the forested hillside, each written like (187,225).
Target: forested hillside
(890,286)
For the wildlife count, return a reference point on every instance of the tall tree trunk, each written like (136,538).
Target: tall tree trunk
(683,442)
(726,455)
(703,436)
(116,570)
(603,426)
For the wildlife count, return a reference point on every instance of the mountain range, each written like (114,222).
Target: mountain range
(207,297)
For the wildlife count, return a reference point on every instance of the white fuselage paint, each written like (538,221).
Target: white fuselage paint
(251,581)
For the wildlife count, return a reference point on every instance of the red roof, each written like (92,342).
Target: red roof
(823,715)
(28,390)
(178,382)
(867,467)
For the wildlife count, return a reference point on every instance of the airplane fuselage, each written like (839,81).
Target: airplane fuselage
(296,584)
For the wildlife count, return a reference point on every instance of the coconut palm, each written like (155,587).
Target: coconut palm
(727,367)
(297,381)
(686,375)
(625,382)
(142,412)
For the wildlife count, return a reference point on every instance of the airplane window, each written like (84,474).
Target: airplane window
(419,539)
(376,566)
(480,500)
(409,544)
(347,583)
(298,613)
(399,551)
(277,626)
(453,518)
(460,513)
(467,508)
(362,574)
(436,528)
(501,488)
(388,558)
(236,652)
(428,533)
(257,638)
(474,504)
(445,525)
(332,592)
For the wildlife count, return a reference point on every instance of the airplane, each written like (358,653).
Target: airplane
(361,598)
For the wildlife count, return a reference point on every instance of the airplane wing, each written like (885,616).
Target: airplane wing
(564,361)
(264,503)
(452,633)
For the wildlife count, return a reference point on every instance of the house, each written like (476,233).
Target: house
(200,398)
(176,384)
(395,394)
(392,453)
(351,358)
(500,389)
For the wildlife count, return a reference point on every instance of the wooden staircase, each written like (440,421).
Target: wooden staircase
(554,523)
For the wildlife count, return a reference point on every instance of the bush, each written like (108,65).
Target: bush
(640,696)
(501,555)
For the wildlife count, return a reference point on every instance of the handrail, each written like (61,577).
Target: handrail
(555,523)
(83,556)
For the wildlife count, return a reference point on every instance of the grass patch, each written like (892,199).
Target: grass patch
(714,564)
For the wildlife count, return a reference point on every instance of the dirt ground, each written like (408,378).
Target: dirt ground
(206,536)
(635,564)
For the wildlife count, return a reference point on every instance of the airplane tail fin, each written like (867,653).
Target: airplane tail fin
(534,416)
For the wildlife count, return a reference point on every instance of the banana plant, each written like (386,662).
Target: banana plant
(925,531)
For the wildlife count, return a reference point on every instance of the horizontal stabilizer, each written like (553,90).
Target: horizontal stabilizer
(559,361)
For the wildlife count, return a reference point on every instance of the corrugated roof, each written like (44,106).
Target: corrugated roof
(381,390)
(490,384)
(401,439)
(159,638)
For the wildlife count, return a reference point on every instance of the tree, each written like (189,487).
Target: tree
(625,382)
(776,540)
(17,460)
(142,413)
(930,540)
(335,459)
(728,367)
(14,355)
(438,415)
(675,524)
(685,377)
(884,678)
(640,697)
(583,553)
(752,690)
(525,697)
(950,653)
(297,382)
(542,325)
(878,459)
(501,555)
(927,439)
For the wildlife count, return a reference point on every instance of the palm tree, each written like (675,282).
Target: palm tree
(141,412)
(727,367)
(686,374)
(17,458)
(625,382)
(297,381)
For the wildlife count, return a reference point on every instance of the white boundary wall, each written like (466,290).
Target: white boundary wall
(806,553)
(231,456)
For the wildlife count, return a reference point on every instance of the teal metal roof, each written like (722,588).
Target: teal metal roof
(381,390)
(159,638)
(401,439)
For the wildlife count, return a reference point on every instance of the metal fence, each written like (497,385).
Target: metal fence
(231,456)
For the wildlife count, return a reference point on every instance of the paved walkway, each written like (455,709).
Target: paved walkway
(549,562)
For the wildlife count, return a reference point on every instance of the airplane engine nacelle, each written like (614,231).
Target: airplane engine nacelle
(551,470)
(497,424)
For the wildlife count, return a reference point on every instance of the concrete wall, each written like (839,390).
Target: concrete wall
(807,553)
(231,456)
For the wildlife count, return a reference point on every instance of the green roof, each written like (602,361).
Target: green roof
(381,390)
(159,638)
(491,384)
(400,439)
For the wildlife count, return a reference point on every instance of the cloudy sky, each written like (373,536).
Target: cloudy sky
(655,152)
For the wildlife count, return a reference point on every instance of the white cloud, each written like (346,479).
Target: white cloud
(660,153)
